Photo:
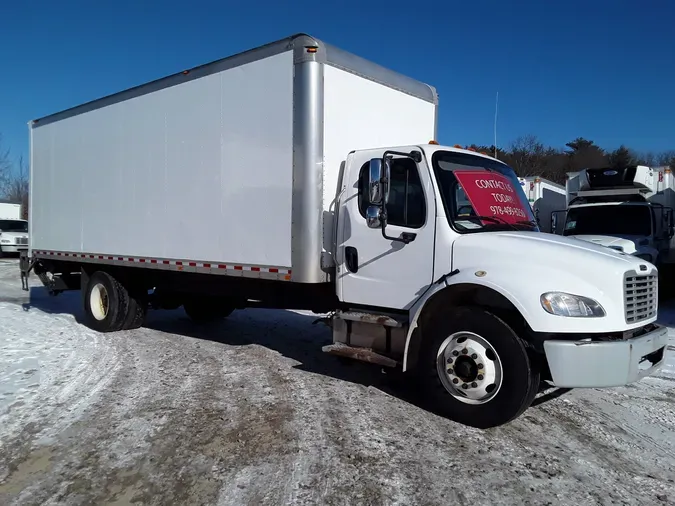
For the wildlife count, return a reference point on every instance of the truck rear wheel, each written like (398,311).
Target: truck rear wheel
(109,306)
(475,370)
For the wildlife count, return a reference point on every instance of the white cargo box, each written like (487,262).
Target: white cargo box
(10,210)
(545,198)
(231,163)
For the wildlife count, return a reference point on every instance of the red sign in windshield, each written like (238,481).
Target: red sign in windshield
(492,194)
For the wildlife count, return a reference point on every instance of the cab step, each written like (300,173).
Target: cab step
(376,319)
(361,354)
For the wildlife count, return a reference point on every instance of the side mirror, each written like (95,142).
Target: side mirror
(558,224)
(378,181)
(379,172)
(373,217)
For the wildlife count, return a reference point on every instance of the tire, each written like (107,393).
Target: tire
(106,303)
(509,379)
(138,308)
(207,309)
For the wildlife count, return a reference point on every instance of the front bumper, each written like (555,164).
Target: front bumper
(579,364)
(13,248)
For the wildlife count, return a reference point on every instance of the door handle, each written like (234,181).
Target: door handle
(352,259)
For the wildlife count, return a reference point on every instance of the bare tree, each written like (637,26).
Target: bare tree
(15,187)
(5,165)
(667,158)
(527,155)
(13,179)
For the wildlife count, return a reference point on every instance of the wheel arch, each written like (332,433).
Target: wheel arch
(464,294)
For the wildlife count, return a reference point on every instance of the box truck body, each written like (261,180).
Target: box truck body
(299,176)
(233,163)
(10,210)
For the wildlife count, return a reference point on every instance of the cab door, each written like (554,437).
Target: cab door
(371,269)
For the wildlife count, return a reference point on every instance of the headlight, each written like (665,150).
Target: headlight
(566,304)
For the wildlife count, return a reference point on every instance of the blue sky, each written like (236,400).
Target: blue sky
(598,69)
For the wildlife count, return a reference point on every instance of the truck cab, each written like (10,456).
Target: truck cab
(628,209)
(431,244)
(13,235)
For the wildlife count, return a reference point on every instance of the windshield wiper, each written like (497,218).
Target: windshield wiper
(532,223)
(496,220)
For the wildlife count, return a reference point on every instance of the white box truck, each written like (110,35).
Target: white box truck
(545,198)
(629,209)
(299,176)
(13,228)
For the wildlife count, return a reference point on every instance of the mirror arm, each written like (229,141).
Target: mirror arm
(405,237)
(415,155)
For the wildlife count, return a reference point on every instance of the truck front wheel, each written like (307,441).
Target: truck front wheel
(475,370)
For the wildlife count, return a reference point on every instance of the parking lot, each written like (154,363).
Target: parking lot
(251,412)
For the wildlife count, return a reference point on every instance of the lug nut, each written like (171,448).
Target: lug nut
(480,366)
(474,384)
(474,356)
(455,380)
(455,352)
(465,386)
(479,377)
(450,370)
(450,360)
(465,351)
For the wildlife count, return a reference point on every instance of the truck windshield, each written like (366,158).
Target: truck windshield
(481,194)
(609,220)
(13,226)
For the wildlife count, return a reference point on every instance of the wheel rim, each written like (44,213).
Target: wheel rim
(469,368)
(99,302)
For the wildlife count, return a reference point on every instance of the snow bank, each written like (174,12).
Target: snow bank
(47,361)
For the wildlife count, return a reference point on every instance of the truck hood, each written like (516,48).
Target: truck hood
(537,247)
(626,243)
(524,265)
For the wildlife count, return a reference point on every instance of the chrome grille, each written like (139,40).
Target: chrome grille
(640,296)
(22,240)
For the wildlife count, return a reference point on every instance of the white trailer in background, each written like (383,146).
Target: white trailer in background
(628,209)
(298,176)
(545,198)
(10,210)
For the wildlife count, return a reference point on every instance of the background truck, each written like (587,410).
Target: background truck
(10,210)
(629,209)
(299,176)
(13,228)
(545,197)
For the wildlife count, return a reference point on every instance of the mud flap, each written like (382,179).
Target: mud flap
(26,265)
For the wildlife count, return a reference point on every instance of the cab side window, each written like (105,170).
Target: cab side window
(407,205)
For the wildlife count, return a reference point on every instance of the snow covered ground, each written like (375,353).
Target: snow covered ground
(251,412)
